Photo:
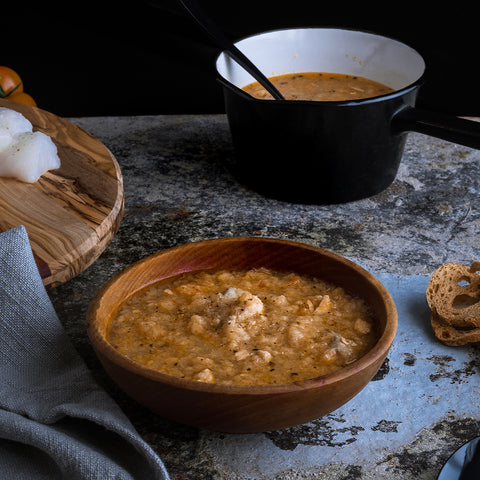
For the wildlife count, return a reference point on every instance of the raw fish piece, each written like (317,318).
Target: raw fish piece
(5,138)
(13,122)
(29,156)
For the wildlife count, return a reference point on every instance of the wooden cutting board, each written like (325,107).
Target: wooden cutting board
(72,213)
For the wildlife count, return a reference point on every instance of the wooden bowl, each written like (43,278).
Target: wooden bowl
(239,408)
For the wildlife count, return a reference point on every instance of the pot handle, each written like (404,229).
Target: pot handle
(440,125)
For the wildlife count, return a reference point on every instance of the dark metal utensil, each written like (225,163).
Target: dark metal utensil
(464,464)
(193,8)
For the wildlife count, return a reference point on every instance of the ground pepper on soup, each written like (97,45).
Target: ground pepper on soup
(320,86)
(243,327)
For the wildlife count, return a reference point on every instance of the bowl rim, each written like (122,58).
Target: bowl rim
(380,349)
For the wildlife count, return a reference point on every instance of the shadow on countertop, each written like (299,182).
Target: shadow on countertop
(148,57)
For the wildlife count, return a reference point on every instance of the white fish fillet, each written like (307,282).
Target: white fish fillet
(24,154)
(28,157)
(13,122)
(5,139)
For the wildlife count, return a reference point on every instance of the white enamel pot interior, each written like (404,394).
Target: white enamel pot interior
(333,50)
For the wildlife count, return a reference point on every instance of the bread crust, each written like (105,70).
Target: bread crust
(453,295)
(452,336)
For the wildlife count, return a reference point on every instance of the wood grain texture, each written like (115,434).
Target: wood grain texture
(241,408)
(72,213)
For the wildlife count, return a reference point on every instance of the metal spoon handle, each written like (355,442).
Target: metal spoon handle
(193,8)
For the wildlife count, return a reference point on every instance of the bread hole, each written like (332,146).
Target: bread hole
(464,301)
(463,282)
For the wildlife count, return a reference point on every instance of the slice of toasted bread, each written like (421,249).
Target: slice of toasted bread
(453,294)
(452,336)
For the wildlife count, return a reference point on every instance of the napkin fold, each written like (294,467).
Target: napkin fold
(55,420)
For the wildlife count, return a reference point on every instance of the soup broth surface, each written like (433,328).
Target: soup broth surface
(320,86)
(243,327)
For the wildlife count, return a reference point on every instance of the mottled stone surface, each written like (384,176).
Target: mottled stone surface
(421,406)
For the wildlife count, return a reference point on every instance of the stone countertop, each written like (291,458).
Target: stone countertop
(178,188)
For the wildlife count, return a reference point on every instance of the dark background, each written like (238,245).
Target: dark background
(148,57)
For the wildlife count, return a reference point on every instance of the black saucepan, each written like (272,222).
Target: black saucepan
(329,152)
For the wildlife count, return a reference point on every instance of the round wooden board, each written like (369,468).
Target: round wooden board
(72,213)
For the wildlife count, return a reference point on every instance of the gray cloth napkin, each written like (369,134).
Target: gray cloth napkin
(55,421)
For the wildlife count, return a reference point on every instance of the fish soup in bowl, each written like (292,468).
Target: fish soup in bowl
(245,327)
(202,329)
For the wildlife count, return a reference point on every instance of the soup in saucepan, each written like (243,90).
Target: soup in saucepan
(320,86)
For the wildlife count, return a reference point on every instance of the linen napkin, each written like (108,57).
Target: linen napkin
(55,421)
